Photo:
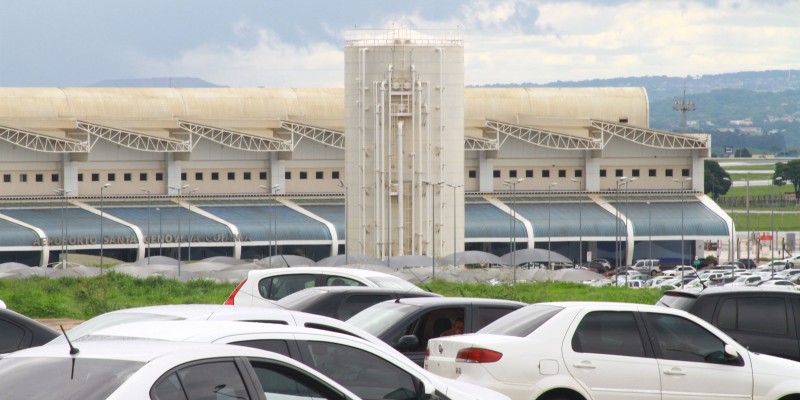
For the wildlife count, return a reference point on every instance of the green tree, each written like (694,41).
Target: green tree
(787,172)
(743,153)
(716,180)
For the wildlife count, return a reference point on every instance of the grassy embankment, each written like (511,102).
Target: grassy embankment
(83,298)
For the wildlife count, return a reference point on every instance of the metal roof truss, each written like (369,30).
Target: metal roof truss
(472,143)
(236,140)
(328,137)
(133,140)
(648,137)
(43,143)
(542,138)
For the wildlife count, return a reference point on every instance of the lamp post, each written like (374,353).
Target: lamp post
(102,237)
(682,181)
(149,238)
(160,238)
(342,185)
(272,190)
(189,240)
(513,234)
(580,221)
(549,232)
(649,231)
(180,205)
(620,181)
(627,191)
(64,228)
(455,237)
(772,222)
(433,185)
(747,207)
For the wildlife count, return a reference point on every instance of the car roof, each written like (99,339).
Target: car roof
(433,301)
(364,289)
(363,273)
(715,290)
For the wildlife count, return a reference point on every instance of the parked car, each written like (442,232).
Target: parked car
(648,267)
(136,369)
(215,312)
(774,265)
(748,263)
(369,371)
(782,283)
(602,262)
(764,319)
(343,302)
(20,332)
(265,285)
(745,280)
(592,350)
(408,324)
(680,270)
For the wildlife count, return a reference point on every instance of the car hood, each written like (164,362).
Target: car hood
(776,367)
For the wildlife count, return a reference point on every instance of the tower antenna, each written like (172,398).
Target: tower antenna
(683,106)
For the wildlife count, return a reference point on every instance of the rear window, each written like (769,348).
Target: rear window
(392,282)
(382,316)
(677,300)
(63,378)
(523,321)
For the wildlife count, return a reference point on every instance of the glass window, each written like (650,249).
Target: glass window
(112,177)
(496,173)
(39,177)
(602,173)
(364,373)
(354,304)
(278,287)
(275,346)
(142,176)
(487,315)
(247,176)
(512,173)
(54,177)
(303,175)
(562,173)
(545,173)
(755,314)
(335,175)
(88,378)
(11,337)
(609,332)
(668,172)
(159,176)
(319,175)
(281,381)
(685,172)
(23,178)
(619,173)
(215,176)
(7,178)
(651,172)
(341,281)
(287,175)
(183,176)
(212,380)
(262,175)
(198,176)
(677,338)
(231,176)
(635,173)
(523,321)
(529,173)
(472,173)
(95,177)
(578,173)
(127,177)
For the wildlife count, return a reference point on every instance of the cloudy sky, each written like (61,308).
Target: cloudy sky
(272,43)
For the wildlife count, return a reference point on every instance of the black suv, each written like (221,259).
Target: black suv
(764,320)
(342,302)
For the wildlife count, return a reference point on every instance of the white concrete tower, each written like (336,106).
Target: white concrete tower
(404,128)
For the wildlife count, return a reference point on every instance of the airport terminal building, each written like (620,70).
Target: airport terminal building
(404,160)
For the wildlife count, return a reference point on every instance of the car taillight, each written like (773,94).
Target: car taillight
(477,355)
(229,300)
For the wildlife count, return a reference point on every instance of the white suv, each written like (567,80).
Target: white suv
(263,286)
(649,267)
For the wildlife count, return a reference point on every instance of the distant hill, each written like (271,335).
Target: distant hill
(757,110)
(166,82)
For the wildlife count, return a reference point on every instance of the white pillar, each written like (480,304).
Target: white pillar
(485,172)
(173,170)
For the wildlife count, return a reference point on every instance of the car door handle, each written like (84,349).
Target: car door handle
(674,371)
(584,364)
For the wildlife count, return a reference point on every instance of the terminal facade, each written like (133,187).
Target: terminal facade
(404,160)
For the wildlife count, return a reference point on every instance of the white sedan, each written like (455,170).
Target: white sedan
(160,370)
(368,370)
(604,351)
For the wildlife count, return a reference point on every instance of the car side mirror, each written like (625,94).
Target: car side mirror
(731,353)
(407,342)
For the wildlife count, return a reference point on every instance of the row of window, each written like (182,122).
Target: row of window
(578,173)
(159,176)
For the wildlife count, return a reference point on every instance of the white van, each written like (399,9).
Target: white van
(649,267)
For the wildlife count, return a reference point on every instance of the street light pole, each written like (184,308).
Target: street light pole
(747,206)
(513,236)
(346,224)
(772,222)
(455,237)
(682,181)
(64,228)
(102,237)
(180,205)
(580,221)
(149,238)
(272,190)
(189,241)
(432,186)
(549,232)
(627,192)
(160,238)
(620,180)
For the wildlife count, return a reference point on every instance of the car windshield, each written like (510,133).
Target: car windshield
(64,378)
(382,316)
(392,282)
(676,300)
(296,299)
(523,321)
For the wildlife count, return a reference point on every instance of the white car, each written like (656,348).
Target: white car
(368,370)
(215,312)
(781,283)
(680,269)
(603,351)
(136,369)
(263,286)
(745,280)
